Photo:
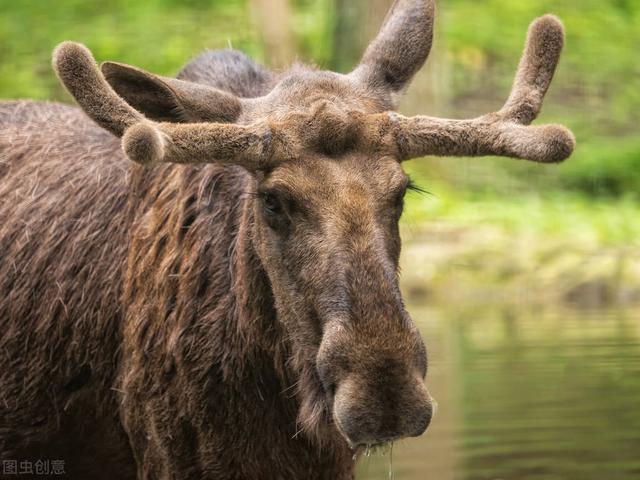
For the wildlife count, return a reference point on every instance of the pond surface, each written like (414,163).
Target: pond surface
(540,395)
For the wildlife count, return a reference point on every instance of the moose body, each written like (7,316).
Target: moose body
(231,312)
(100,229)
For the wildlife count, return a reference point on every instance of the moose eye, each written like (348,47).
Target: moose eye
(271,203)
(277,211)
(399,201)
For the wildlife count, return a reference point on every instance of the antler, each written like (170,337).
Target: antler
(145,141)
(400,48)
(407,32)
(506,132)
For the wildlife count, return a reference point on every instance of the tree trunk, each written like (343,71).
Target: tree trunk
(356,23)
(273,18)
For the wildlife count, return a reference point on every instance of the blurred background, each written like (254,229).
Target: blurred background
(524,278)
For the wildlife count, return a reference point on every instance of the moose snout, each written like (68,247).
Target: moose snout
(377,397)
(375,384)
(375,413)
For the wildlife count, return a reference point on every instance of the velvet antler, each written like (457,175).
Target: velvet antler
(400,48)
(506,132)
(146,141)
(387,66)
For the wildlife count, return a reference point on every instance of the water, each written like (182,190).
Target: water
(535,395)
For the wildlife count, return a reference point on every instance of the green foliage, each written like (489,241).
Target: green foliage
(159,35)
(312,26)
(545,216)
(610,166)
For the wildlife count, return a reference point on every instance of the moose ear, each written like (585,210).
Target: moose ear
(168,99)
(400,48)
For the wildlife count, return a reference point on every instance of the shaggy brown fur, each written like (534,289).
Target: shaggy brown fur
(237,317)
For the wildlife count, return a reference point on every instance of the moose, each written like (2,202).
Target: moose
(200,279)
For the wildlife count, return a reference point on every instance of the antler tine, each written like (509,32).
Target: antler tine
(504,133)
(538,64)
(147,142)
(250,146)
(399,50)
(78,72)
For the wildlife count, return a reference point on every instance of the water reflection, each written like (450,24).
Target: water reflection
(540,395)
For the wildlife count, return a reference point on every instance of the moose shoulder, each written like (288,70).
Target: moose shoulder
(202,282)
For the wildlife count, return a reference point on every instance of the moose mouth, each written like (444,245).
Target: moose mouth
(379,445)
(363,448)
(372,449)
(374,429)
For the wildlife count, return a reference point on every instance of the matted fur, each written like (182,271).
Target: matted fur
(167,322)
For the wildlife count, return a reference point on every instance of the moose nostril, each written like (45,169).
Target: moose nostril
(328,382)
(330,389)
(421,421)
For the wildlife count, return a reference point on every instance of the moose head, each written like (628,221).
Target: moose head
(325,152)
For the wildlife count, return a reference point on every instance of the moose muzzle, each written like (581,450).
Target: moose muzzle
(376,387)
